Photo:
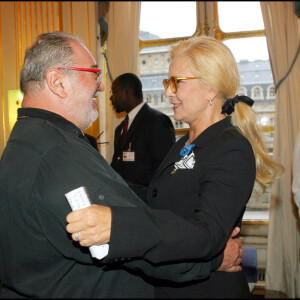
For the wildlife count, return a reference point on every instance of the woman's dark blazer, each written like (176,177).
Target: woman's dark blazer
(216,191)
(210,197)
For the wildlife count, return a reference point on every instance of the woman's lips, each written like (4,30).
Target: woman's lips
(175,106)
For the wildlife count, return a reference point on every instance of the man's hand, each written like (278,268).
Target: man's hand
(91,224)
(233,253)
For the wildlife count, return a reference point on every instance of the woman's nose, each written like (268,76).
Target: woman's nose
(168,92)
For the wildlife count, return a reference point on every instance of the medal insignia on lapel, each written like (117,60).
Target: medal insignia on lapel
(187,159)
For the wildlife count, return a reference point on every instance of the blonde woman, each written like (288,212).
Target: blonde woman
(206,178)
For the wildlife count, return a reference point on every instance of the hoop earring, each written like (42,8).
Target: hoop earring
(211,102)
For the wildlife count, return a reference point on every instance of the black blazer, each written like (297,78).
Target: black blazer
(151,136)
(211,199)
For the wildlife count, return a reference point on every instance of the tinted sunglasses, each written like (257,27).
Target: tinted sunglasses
(173,81)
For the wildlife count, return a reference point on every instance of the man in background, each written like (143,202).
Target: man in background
(144,137)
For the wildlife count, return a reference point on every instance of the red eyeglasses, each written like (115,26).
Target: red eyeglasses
(98,71)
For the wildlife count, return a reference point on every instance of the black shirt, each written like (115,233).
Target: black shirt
(46,157)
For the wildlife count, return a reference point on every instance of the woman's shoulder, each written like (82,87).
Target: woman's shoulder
(232,137)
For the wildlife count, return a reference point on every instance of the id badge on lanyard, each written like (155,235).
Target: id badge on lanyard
(129,155)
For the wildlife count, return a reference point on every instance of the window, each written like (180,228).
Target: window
(180,20)
(271,92)
(240,26)
(162,98)
(153,22)
(149,98)
(256,93)
(242,91)
(246,39)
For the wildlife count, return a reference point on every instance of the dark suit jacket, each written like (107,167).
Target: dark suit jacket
(46,156)
(151,135)
(211,197)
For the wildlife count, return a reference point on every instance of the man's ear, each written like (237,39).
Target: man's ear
(128,92)
(56,81)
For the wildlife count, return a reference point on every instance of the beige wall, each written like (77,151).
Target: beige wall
(21,22)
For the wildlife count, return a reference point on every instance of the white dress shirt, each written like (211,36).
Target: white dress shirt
(133,113)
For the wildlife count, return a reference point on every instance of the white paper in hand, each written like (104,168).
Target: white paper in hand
(78,199)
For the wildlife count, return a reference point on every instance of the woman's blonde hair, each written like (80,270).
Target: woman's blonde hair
(213,62)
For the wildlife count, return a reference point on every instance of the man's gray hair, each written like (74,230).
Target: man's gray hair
(50,50)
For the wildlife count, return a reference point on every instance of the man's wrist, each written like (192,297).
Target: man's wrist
(217,261)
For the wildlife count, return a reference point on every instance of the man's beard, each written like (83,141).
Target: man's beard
(86,119)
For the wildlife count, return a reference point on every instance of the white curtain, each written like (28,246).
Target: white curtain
(282,29)
(122,56)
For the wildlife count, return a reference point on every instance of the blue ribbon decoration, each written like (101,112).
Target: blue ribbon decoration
(186,150)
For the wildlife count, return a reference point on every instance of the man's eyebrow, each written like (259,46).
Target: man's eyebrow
(94,66)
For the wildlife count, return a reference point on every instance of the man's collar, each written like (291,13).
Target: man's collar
(134,112)
(52,117)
